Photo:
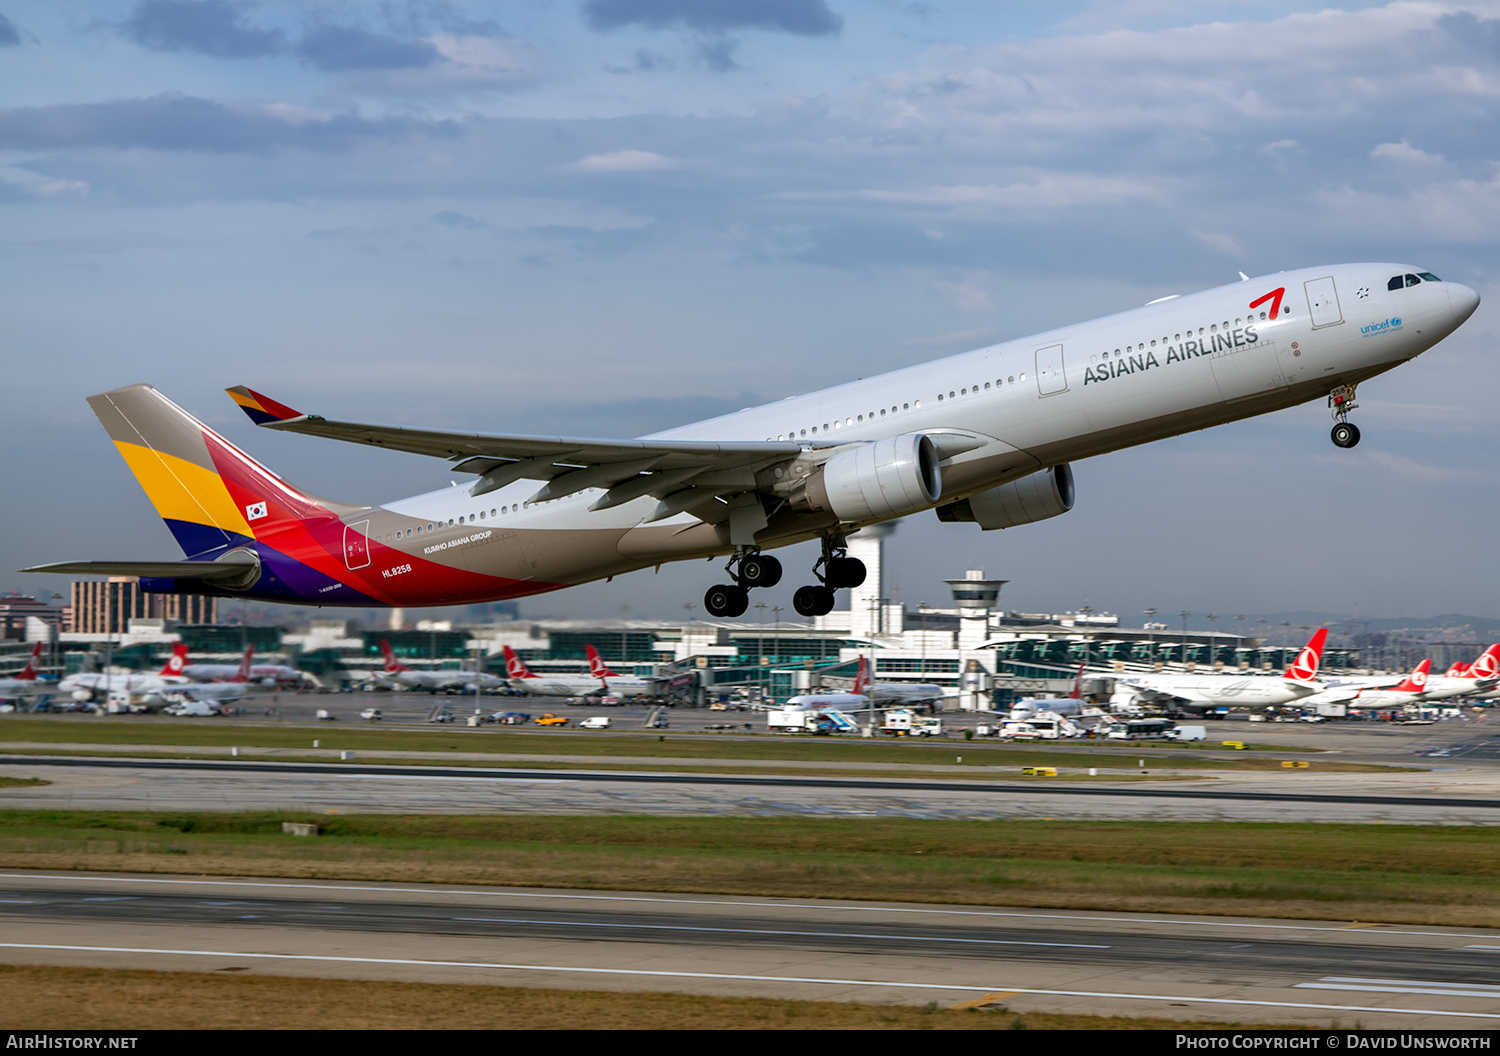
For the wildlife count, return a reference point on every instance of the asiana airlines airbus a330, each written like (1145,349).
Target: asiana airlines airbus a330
(984,437)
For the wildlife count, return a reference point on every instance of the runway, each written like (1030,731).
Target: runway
(153,784)
(1031,960)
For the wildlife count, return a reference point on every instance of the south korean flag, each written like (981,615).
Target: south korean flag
(255,511)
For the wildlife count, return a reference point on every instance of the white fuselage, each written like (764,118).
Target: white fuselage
(1168,368)
(1215,690)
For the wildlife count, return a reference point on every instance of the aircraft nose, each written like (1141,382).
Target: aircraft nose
(1463,301)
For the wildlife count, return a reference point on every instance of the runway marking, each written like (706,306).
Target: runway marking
(741,978)
(1459,989)
(717,902)
(23,902)
(1430,989)
(770,931)
(1482,947)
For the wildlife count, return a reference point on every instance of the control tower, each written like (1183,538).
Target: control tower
(973,597)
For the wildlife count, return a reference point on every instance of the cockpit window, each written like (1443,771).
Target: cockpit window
(1395,283)
(1428,276)
(1412,280)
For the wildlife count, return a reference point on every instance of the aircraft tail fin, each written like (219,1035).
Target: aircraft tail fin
(596,664)
(392,665)
(1488,664)
(29,672)
(243,674)
(1305,667)
(862,680)
(514,668)
(177,661)
(1078,684)
(1416,682)
(211,494)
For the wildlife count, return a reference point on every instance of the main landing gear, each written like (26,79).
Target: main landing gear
(838,571)
(748,568)
(751,568)
(1341,402)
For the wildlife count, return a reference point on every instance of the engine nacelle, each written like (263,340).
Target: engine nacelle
(874,482)
(1034,498)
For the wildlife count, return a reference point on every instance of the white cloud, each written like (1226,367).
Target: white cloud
(626,161)
(1403,153)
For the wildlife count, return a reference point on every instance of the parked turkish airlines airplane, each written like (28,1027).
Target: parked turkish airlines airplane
(896,694)
(240,685)
(219,672)
(983,437)
(432,681)
(1197,692)
(1408,690)
(1475,679)
(87,685)
(528,681)
(616,684)
(25,683)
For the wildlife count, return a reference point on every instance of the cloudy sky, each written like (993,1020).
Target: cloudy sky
(613,216)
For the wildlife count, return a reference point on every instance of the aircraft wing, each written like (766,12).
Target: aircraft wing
(630,469)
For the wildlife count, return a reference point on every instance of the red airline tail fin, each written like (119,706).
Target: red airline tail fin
(1458,669)
(862,680)
(177,661)
(1305,667)
(1078,684)
(392,665)
(1416,682)
(1488,664)
(243,674)
(514,668)
(28,673)
(596,664)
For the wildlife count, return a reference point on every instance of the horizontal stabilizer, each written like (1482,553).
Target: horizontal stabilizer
(204,570)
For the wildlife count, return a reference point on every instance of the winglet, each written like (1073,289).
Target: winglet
(261,409)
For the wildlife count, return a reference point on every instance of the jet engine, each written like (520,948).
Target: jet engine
(1034,498)
(874,482)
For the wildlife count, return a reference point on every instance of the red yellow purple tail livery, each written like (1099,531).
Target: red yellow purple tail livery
(246,531)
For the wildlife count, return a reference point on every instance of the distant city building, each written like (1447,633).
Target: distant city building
(108,607)
(15,609)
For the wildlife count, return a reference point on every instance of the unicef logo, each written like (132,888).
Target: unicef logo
(1395,322)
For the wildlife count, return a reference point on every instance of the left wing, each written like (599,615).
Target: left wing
(680,473)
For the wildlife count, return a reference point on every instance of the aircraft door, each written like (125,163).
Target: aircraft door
(1051,376)
(1323,302)
(357,545)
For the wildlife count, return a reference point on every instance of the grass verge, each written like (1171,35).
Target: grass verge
(52,998)
(1371,873)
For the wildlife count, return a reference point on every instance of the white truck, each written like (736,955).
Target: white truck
(903,722)
(809,720)
(595,722)
(1032,730)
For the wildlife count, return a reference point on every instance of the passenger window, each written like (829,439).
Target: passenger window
(1412,280)
(986,384)
(1395,283)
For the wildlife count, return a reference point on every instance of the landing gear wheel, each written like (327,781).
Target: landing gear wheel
(1345,434)
(726,601)
(813,601)
(760,570)
(844,573)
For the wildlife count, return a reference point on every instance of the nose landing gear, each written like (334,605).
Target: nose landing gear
(1341,402)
